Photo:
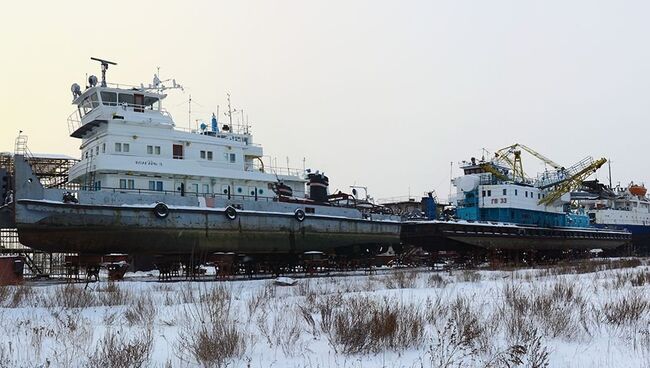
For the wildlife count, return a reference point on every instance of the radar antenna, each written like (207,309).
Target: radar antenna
(105,64)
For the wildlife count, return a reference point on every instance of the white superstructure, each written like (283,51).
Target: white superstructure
(626,206)
(130,143)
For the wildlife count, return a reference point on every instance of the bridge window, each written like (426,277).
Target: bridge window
(89,103)
(151,103)
(125,99)
(109,98)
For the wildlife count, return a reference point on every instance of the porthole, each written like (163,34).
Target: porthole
(239,190)
(261,191)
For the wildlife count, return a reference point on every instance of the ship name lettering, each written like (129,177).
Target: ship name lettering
(148,163)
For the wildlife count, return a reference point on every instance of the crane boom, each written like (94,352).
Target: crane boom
(572,182)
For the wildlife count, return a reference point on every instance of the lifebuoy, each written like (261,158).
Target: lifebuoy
(230,213)
(299,215)
(161,210)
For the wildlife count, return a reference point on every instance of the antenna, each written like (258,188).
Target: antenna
(105,64)
(609,164)
(451,172)
(189,113)
(229,113)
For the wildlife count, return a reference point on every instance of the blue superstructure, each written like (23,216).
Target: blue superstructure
(485,194)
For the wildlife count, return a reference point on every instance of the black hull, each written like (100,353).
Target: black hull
(455,236)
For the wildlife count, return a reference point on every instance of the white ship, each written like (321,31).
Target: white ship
(620,207)
(147,186)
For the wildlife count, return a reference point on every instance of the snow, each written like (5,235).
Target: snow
(64,324)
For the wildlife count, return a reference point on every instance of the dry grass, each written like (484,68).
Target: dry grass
(401,279)
(114,350)
(468,319)
(364,325)
(142,311)
(628,309)
(210,335)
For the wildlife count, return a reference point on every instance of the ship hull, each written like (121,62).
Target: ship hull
(640,236)
(456,236)
(100,229)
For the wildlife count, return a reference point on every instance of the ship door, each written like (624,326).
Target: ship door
(177,151)
(138,102)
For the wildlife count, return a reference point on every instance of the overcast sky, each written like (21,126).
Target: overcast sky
(378,93)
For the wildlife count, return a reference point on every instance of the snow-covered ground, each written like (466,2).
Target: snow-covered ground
(593,315)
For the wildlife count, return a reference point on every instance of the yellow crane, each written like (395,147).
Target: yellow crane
(511,156)
(573,180)
(562,180)
(488,167)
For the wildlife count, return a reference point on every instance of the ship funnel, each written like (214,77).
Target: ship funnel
(318,184)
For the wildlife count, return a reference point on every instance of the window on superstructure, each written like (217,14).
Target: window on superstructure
(118,147)
(159,186)
(125,99)
(526,194)
(483,193)
(232,157)
(504,192)
(202,154)
(97,150)
(103,147)
(151,103)
(539,196)
(152,185)
(489,193)
(195,188)
(130,184)
(157,150)
(150,150)
(122,183)
(125,147)
(515,191)
(206,188)
(109,98)
(209,155)
(177,151)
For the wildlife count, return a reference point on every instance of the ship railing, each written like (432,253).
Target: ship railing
(112,109)
(74,121)
(236,137)
(178,193)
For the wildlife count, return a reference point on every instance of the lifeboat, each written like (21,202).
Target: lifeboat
(638,190)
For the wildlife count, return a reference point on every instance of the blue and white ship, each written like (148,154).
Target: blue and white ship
(499,208)
(620,207)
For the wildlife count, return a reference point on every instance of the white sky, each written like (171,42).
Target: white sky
(378,93)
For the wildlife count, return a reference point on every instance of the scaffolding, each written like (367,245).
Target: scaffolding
(52,171)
